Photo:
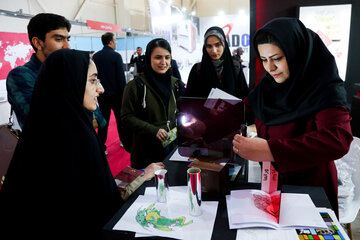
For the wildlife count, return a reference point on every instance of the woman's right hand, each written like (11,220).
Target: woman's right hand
(254,149)
(162,135)
(149,171)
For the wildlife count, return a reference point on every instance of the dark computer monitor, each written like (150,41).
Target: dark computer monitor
(206,127)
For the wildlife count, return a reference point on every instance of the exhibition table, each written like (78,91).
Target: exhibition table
(177,177)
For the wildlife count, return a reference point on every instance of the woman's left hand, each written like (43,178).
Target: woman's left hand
(162,135)
(254,149)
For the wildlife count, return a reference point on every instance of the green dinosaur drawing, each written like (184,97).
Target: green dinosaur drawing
(151,216)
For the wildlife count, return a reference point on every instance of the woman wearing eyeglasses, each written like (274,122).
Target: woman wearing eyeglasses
(59,184)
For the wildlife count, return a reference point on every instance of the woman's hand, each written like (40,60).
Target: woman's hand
(149,171)
(162,135)
(254,149)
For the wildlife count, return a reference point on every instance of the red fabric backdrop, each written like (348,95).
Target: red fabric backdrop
(117,157)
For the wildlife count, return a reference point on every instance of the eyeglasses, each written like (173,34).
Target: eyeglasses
(95,81)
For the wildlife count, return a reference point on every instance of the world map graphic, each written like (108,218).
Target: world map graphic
(15,50)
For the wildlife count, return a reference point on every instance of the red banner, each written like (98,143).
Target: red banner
(15,50)
(103,26)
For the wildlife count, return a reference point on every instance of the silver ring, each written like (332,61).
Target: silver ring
(236,150)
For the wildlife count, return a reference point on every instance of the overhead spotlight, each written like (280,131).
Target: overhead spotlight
(221,13)
(193,13)
(183,9)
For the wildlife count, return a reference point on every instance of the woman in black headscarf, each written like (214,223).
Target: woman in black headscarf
(300,108)
(216,69)
(59,181)
(149,105)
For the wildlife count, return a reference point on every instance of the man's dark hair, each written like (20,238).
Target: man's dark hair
(43,23)
(138,48)
(106,38)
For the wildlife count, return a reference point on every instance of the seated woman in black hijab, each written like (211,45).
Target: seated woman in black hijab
(216,69)
(149,111)
(300,108)
(59,181)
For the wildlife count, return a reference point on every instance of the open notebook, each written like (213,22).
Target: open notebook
(255,208)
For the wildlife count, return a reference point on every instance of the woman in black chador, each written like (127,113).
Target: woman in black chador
(59,183)
(216,69)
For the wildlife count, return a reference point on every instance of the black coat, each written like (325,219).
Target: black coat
(140,63)
(110,68)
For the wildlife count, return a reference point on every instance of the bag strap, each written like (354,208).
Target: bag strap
(16,132)
(177,89)
(11,123)
(141,91)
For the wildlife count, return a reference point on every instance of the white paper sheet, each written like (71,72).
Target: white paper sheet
(266,234)
(217,93)
(254,174)
(299,210)
(176,192)
(177,157)
(191,228)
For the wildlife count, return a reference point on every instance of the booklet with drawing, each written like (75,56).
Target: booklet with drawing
(256,208)
(126,176)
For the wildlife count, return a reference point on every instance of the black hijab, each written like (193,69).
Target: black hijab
(59,170)
(314,83)
(161,82)
(229,80)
